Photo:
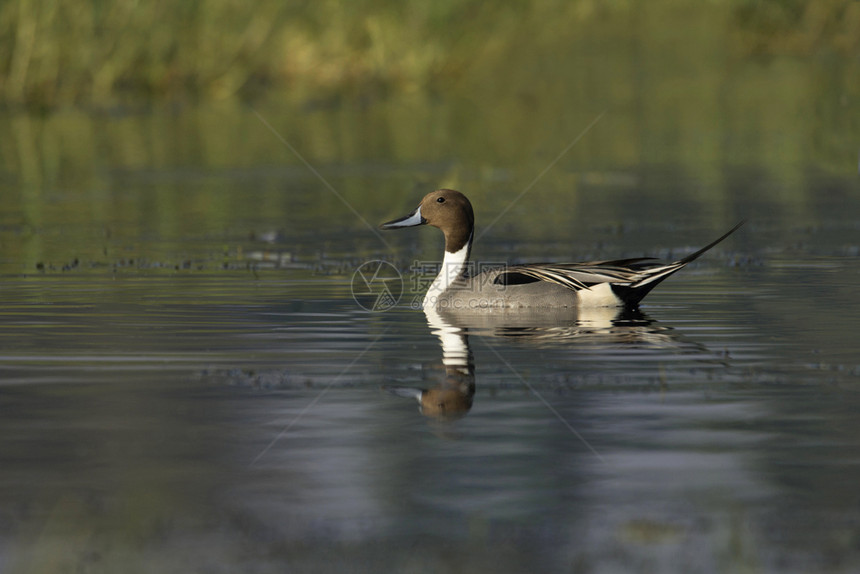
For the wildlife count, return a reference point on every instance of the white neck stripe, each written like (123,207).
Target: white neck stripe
(453,267)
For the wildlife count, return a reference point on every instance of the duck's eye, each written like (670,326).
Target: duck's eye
(440,200)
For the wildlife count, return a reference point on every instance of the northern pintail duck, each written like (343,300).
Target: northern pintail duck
(620,283)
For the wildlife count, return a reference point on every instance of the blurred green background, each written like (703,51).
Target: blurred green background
(141,117)
(56,53)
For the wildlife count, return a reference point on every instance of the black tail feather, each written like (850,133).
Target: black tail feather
(694,256)
(632,294)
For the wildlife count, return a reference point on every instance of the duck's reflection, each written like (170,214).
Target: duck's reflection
(450,396)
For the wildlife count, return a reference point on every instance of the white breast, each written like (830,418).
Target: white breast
(453,267)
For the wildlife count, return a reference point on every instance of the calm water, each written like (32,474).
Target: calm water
(188,384)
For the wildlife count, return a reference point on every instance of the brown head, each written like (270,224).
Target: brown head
(446,209)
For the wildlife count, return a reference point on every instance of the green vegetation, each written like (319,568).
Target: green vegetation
(104,52)
(145,127)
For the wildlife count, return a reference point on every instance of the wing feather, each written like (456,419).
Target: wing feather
(574,276)
(633,277)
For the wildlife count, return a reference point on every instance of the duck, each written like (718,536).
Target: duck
(620,283)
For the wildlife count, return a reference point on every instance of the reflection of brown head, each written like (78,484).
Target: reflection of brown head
(448,396)
(448,400)
(447,403)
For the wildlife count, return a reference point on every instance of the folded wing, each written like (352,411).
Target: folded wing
(631,279)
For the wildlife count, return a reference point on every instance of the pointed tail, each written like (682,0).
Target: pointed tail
(635,292)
